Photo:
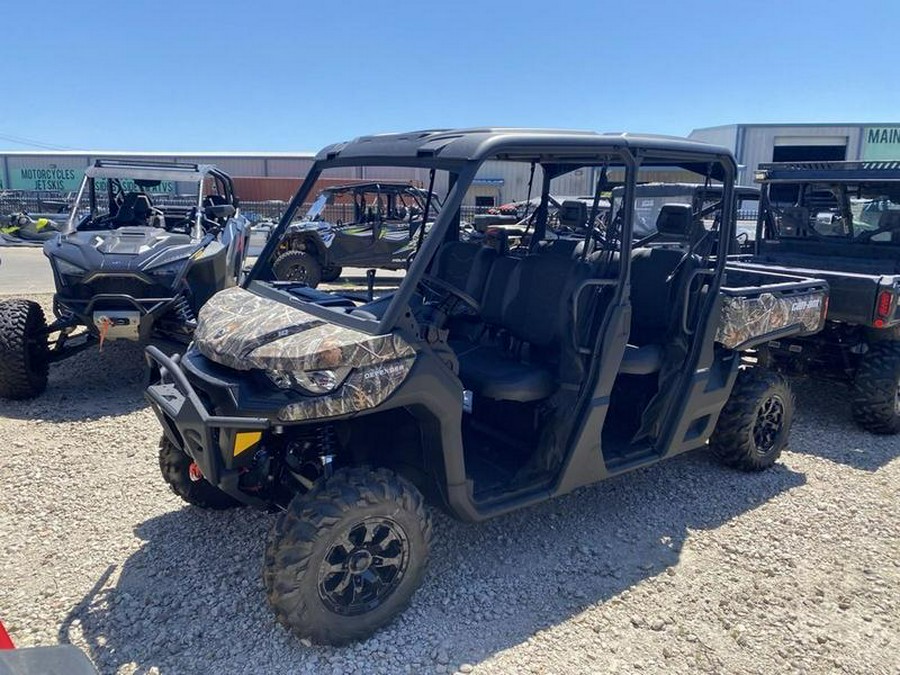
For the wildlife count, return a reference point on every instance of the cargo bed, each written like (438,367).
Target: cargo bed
(759,305)
(855,274)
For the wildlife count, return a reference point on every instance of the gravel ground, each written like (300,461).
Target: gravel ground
(683,567)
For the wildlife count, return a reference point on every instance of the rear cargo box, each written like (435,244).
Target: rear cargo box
(760,306)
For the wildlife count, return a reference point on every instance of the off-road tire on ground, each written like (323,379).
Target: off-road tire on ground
(295,575)
(24,363)
(876,389)
(755,423)
(174,464)
(298,266)
(331,273)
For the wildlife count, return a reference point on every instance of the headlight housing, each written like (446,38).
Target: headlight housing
(170,270)
(316,382)
(70,273)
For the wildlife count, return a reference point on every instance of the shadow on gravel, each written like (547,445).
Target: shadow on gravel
(191,599)
(88,386)
(825,428)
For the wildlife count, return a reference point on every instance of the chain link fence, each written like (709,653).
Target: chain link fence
(56,205)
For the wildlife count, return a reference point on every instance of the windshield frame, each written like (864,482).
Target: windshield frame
(177,172)
(461,174)
(555,154)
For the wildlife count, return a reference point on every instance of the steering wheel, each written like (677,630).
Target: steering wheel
(446,291)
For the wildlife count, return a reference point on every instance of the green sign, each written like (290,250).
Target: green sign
(164,187)
(43,178)
(881,143)
(69,180)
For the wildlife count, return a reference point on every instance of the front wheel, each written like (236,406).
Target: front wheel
(298,266)
(344,559)
(24,353)
(175,465)
(876,389)
(755,423)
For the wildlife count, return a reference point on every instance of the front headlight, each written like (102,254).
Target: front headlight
(69,269)
(69,273)
(310,381)
(171,269)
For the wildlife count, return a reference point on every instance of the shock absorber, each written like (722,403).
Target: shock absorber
(327,442)
(183,310)
(309,456)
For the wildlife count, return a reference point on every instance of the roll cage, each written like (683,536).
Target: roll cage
(393,194)
(114,171)
(462,152)
(825,187)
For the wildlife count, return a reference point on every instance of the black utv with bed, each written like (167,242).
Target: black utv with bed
(839,221)
(145,245)
(486,382)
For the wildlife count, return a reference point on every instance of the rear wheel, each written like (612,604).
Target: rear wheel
(24,353)
(876,389)
(754,425)
(298,266)
(344,559)
(175,465)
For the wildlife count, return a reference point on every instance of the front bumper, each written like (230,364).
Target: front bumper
(147,310)
(208,439)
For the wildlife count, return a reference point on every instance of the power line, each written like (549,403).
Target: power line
(21,140)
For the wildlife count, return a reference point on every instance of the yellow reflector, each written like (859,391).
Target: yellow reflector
(244,440)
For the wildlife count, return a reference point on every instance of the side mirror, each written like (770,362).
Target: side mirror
(219,211)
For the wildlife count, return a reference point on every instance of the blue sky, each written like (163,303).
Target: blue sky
(290,76)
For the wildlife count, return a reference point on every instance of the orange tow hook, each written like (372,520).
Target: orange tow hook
(194,472)
(105,325)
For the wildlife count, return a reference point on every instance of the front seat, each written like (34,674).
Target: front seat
(537,316)
(135,207)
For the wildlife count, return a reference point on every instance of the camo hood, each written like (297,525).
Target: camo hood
(246,331)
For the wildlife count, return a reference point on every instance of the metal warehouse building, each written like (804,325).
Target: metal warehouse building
(267,176)
(275,175)
(754,144)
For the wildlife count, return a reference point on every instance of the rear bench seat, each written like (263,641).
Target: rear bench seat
(652,299)
(527,300)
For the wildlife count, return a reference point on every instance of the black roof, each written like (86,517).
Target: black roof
(456,146)
(372,186)
(841,172)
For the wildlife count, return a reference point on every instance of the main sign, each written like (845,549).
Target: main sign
(881,143)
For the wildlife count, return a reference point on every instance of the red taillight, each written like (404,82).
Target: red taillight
(885,300)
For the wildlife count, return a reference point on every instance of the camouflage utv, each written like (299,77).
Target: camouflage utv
(484,383)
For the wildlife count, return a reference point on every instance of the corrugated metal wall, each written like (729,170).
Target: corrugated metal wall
(725,136)
(63,172)
(758,143)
